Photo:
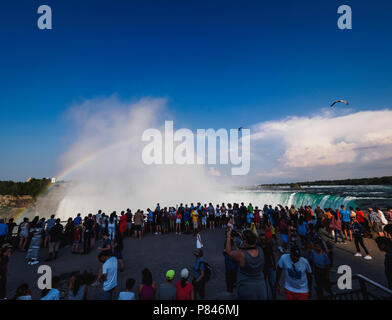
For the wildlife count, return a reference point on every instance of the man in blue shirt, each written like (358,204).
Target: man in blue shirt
(271,216)
(346,222)
(186,219)
(249,218)
(78,220)
(109,275)
(150,220)
(3,231)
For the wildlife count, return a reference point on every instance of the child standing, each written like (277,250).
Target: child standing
(199,244)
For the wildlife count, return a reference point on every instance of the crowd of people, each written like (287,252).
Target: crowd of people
(304,238)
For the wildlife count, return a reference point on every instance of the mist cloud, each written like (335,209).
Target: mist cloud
(108,134)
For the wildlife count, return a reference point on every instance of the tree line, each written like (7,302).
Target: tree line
(31,188)
(346,182)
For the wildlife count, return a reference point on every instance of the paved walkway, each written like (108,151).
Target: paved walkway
(160,253)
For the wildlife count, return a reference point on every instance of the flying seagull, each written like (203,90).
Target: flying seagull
(337,101)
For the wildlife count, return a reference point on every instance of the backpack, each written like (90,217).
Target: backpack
(207,271)
(383,220)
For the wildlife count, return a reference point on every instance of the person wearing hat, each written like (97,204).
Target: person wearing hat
(184,289)
(298,275)
(5,254)
(166,290)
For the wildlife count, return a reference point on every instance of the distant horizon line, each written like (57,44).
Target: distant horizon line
(254,184)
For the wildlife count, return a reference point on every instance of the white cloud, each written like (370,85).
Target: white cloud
(299,144)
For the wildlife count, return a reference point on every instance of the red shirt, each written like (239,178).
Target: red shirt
(309,215)
(184,293)
(123,223)
(283,228)
(257,215)
(268,233)
(360,216)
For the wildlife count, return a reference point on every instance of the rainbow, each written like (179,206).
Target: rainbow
(76,165)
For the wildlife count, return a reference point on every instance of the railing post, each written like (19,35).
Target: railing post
(364,291)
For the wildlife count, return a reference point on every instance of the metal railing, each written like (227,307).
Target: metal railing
(367,290)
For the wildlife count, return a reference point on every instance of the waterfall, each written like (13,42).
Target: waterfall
(291,199)
(67,207)
(285,199)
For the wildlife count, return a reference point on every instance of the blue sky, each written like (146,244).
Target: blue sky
(219,64)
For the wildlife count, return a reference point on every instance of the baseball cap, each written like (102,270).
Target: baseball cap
(184,273)
(170,275)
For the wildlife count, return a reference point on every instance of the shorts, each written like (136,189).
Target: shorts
(195,224)
(345,226)
(138,228)
(290,295)
(285,238)
(178,221)
(54,246)
(204,220)
(377,227)
(129,225)
(187,223)
(24,235)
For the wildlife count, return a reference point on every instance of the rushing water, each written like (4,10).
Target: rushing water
(323,196)
(288,198)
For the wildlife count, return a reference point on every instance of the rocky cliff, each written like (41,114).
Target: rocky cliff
(45,205)
(12,205)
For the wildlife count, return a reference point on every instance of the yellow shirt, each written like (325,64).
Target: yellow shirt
(194,216)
